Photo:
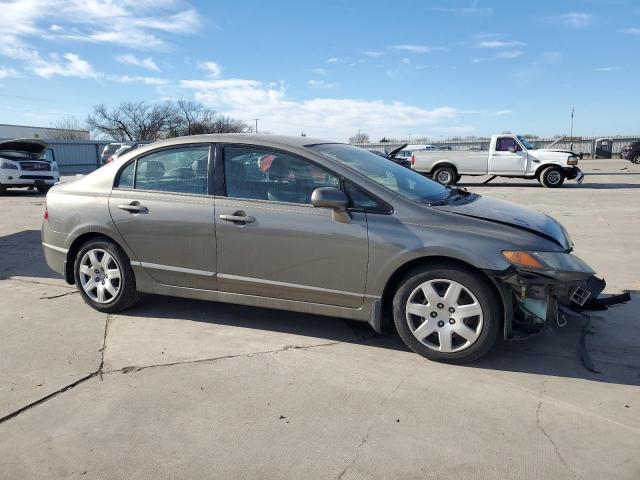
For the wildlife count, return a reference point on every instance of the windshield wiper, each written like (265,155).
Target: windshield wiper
(453,194)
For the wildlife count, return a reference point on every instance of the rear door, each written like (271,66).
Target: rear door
(272,242)
(161,207)
(508,158)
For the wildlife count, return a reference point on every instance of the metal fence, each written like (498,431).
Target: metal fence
(584,145)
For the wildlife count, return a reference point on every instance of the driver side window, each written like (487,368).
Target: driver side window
(507,144)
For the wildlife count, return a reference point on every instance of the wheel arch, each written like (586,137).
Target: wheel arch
(442,164)
(396,277)
(75,247)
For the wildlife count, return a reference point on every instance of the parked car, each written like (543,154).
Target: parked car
(114,150)
(312,226)
(27,163)
(508,156)
(631,152)
(392,153)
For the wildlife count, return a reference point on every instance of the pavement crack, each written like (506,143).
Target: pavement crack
(81,380)
(357,453)
(58,296)
(35,282)
(137,368)
(548,437)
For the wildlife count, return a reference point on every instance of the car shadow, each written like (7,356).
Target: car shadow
(21,256)
(21,192)
(555,352)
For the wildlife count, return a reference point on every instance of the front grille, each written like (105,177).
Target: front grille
(36,177)
(35,166)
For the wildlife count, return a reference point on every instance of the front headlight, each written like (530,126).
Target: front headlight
(546,261)
(572,160)
(8,166)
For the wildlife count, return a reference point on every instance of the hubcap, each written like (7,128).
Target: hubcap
(455,327)
(100,276)
(553,177)
(444,177)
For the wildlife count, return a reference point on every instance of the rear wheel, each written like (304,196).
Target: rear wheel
(552,177)
(445,175)
(447,313)
(2,189)
(44,189)
(636,159)
(104,276)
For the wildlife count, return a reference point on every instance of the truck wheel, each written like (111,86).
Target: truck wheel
(2,189)
(636,159)
(445,175)
(447,313)
(44,189)
(552,177)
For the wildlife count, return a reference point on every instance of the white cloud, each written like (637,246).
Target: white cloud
(213,69)
(130,59)
(499,44)
(143,24)
(465,11)
(6,72)
(417,48)
(320,71)
(373,53)
(575,19)
(631,31)
(607,69)
(70,65)
(334,117)
(509,54)
(406,61)
(333,60)
(137,79)
(322,85)
(357,62)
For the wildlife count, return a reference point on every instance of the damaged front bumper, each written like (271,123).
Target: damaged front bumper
(532,298)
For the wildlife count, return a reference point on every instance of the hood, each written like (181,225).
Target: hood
(508,213)
(555,150)
(24,145)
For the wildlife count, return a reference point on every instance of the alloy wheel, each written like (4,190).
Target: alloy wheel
(554,177)
(444,315)
(100,276)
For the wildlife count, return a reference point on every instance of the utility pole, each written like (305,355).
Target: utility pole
(571,135)
(256,119)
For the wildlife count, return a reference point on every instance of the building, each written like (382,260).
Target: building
(43,133)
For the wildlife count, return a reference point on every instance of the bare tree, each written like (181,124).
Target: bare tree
(359,137)
(133,121)
(68,128)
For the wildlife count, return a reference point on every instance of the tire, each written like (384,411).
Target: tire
(445,175)
(44,189)
(2,189)
(121,292)
(458,178)
(552,177)
(636,159)
(441,341)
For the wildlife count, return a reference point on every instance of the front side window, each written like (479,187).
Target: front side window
(396,178)
(178,170)
(507,144)
(263,174)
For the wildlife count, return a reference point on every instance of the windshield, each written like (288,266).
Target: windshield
(397,178)
(526,143)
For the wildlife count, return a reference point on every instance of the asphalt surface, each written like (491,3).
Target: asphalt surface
(186,389)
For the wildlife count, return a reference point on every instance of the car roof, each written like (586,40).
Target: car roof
(249,138)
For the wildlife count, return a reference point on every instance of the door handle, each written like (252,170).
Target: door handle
(238,218)
(133,207)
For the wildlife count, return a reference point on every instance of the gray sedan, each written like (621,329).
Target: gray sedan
(312,226)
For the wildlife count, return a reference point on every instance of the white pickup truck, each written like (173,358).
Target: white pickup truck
(508,156)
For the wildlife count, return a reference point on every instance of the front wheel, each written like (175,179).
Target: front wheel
(104,276)
(636,159)
(552,177)
(447,313)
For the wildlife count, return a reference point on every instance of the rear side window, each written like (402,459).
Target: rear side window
(178,170)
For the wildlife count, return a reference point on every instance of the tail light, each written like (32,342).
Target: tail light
(413,159)
(46,214)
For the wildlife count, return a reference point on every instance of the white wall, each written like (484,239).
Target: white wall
(21,131)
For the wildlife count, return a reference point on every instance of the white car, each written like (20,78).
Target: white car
(27,163)
(508,156)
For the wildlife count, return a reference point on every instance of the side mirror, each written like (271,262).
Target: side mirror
(331,197)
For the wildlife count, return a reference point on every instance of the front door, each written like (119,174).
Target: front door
(508,158)
(161,208)
(273,243)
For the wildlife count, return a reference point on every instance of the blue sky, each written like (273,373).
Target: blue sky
(430,68)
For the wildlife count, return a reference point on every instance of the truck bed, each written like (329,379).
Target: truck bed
(466,161)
